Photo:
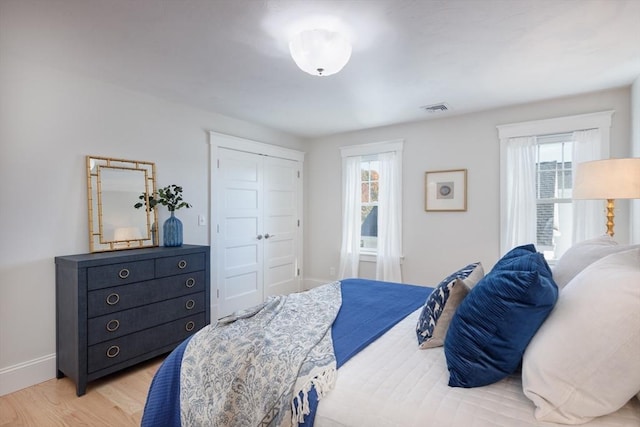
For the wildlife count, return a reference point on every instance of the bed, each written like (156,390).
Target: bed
(389,374)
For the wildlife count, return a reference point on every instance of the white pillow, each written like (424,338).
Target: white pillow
(584,361)
(582,254)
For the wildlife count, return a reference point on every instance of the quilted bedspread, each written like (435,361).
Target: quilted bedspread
(369,309)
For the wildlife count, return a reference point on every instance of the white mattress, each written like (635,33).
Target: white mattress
(394,383)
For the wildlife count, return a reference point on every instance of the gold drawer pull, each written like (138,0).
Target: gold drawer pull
(189,326)
(190,304)
(113,325)
(113,351)
(113,299)
(190,282)
(124,273)
(182,264)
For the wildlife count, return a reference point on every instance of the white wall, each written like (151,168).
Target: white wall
(49,121)
(437,243)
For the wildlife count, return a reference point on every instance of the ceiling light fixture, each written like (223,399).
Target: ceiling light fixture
(320,52)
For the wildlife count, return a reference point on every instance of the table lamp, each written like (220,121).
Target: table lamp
(608,180)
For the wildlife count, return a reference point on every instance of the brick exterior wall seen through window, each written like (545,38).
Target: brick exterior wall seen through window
(548,178)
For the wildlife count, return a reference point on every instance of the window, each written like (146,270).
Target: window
(554,212)
(372,209)
(370,181)
(536,175)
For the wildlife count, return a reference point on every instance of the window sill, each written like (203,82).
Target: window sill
(368,257)
(372,256)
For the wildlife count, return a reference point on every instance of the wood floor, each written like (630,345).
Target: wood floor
(115,400)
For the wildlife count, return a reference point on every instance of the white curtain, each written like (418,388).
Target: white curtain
(589,218)
(389,219)
(521,209)
(351,222)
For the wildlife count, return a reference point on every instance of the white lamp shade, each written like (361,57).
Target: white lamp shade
(127,233)
(608,179)
(320,52)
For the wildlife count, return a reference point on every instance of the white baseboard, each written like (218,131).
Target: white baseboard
(26,374)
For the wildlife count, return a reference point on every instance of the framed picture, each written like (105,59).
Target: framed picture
(446,191)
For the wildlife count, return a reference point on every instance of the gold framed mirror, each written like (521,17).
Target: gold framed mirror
(114,188)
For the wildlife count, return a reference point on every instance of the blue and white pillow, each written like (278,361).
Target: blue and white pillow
(442,303)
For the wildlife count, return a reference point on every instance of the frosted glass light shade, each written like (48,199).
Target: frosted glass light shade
(320,52)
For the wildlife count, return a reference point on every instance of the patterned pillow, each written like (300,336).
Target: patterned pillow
(442,304)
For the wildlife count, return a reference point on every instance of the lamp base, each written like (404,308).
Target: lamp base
(610,206)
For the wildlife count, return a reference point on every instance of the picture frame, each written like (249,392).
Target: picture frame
(446,190)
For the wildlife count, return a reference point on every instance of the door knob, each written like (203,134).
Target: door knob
(266,236)
(259,236)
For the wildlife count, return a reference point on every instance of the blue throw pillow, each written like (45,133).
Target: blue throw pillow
(527,262)
(450,289)
(494,323)
(518,252)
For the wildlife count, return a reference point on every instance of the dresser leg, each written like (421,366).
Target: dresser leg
(81,389)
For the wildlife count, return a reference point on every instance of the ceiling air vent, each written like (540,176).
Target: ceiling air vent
(436,108)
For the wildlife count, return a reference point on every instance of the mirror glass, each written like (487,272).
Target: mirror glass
(114,187)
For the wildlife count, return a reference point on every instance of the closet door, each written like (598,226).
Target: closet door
(240,240)
(281,224)
(258,233)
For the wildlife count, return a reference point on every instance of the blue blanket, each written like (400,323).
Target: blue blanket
(369,309)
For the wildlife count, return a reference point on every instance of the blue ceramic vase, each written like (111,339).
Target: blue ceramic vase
(172,231)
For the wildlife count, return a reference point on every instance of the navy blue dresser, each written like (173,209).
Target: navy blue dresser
(117,309)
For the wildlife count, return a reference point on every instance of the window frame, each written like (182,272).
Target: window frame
(541,140)
(370,158)
(599,120)
(367,150)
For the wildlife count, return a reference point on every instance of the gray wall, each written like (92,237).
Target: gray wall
(635,142)
(436,243)
(49,121)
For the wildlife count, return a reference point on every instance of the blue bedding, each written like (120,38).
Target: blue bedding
(369,309)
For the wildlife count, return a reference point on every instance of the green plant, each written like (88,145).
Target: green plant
(152,201)
(171,197)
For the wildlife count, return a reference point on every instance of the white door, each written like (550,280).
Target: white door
(281,224)
(257,236)
(240,249)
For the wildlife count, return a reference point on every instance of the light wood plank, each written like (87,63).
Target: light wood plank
(115,400)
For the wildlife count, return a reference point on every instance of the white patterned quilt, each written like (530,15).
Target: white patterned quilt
(256,370)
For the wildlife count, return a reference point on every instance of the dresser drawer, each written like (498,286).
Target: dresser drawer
(170,266)
(119,350)
(121,323)
(110,300)
(119,274)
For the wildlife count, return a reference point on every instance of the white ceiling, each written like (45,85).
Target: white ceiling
(231,56)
